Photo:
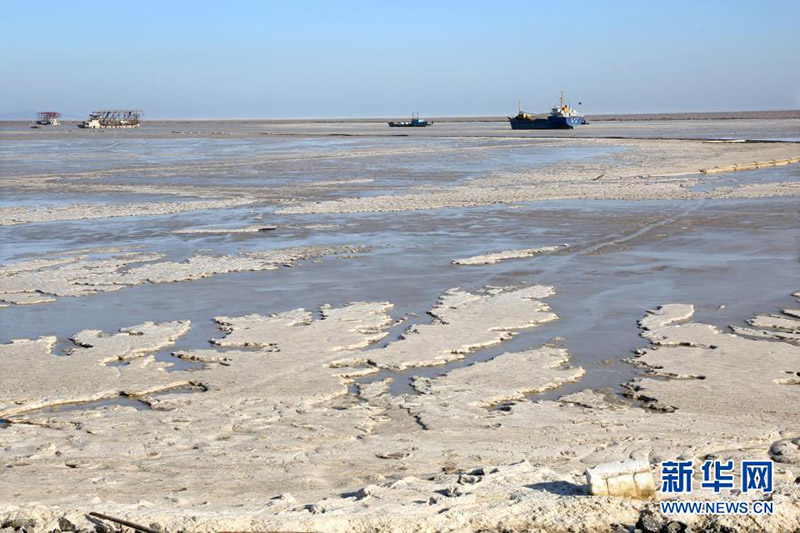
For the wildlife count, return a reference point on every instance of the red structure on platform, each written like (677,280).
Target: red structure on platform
(48,118)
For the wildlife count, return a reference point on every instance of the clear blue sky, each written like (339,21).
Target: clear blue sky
(299,58)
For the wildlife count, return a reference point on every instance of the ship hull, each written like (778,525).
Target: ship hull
(409,124)
(549,123)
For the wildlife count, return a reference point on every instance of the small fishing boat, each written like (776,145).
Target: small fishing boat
(415,122)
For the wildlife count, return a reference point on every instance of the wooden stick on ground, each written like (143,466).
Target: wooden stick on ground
(125,523)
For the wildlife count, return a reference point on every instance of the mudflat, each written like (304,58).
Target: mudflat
(327,326)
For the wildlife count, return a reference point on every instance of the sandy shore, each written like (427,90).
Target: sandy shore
(310,332)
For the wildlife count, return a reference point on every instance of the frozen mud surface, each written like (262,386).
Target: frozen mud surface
(301,331)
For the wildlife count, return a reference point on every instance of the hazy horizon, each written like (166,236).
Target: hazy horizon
(271,60)
(31,115)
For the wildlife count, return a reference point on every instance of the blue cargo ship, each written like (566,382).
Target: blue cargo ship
(561,117)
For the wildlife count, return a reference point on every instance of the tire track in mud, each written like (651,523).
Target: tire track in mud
(597,246)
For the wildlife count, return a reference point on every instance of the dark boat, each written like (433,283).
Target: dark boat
(561,117)
(415,122)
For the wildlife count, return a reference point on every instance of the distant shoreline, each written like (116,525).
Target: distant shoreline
(620,117)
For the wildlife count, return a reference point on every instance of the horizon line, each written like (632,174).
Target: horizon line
(437,117)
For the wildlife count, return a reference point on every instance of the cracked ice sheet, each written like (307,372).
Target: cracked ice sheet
(294,365)
(496,257)
(130,342)
(278,396)
(33,377)
(465,322)
(26,215)
(650,170)
(36,281)
(28,282)
(466,393)
(280,421)
(277,401)
(509,376)
(363,321)
(712,372)
(784,323)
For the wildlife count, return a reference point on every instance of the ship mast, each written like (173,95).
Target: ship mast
(561,99)
(520,106)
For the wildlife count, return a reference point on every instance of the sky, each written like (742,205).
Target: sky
(326,59)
